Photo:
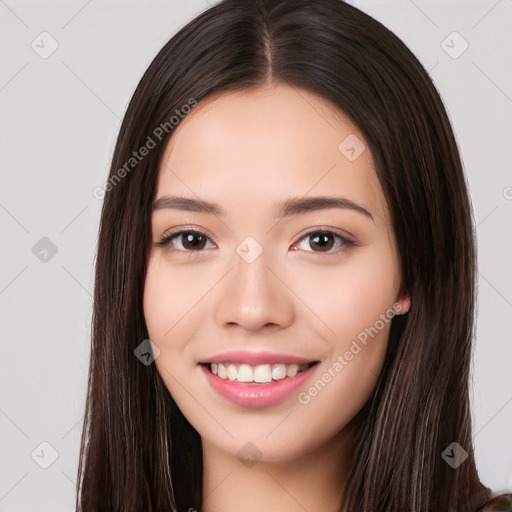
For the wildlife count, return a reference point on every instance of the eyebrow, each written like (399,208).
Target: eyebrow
(293,206)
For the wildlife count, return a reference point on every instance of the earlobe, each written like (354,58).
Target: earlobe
(404,304)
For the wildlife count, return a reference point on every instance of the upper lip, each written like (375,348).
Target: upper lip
(255,358)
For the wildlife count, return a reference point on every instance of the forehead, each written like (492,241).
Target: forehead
(268,144)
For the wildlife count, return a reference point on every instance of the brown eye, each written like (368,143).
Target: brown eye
(322,242)
(186,241)
(193,241)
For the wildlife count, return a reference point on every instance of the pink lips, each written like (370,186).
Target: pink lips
(256,395)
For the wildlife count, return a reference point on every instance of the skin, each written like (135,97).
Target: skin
(246,150)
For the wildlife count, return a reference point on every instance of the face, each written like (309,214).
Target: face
(253,277)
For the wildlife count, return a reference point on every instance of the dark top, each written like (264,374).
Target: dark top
(502,503)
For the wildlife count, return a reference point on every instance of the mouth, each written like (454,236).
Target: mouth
(267,382)
(260,374)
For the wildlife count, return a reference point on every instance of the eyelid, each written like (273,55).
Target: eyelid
(187,228)
(346,239)
(326,229)
(165,239)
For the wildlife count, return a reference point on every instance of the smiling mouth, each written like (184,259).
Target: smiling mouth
(256,374)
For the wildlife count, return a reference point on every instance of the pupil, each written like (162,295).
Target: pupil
(323,241)
(193,241)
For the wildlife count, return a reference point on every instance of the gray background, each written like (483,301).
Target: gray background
(60,117)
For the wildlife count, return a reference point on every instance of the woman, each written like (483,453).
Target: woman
(285,277)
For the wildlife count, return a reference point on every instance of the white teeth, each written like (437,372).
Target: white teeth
(222,371)
(245,373)
(291,370)
(263,373)
(232,372)
(279,372)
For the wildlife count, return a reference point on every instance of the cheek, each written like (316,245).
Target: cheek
(172,299)
(351,297)
(358,311)
(354,304)
(160,302)
(172,306)
(169,313)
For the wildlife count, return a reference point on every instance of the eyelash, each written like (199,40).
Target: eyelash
(345,241)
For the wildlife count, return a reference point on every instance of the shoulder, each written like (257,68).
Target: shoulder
(501,502)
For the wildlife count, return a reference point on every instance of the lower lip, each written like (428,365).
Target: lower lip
(257,396)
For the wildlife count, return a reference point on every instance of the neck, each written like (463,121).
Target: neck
(311,481)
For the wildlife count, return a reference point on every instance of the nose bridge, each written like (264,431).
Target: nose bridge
(251,295)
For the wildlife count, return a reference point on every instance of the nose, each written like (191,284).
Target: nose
(253,296)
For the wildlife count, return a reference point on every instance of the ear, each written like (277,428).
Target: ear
(403,304)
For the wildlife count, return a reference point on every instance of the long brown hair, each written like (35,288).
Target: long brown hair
(138,452)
